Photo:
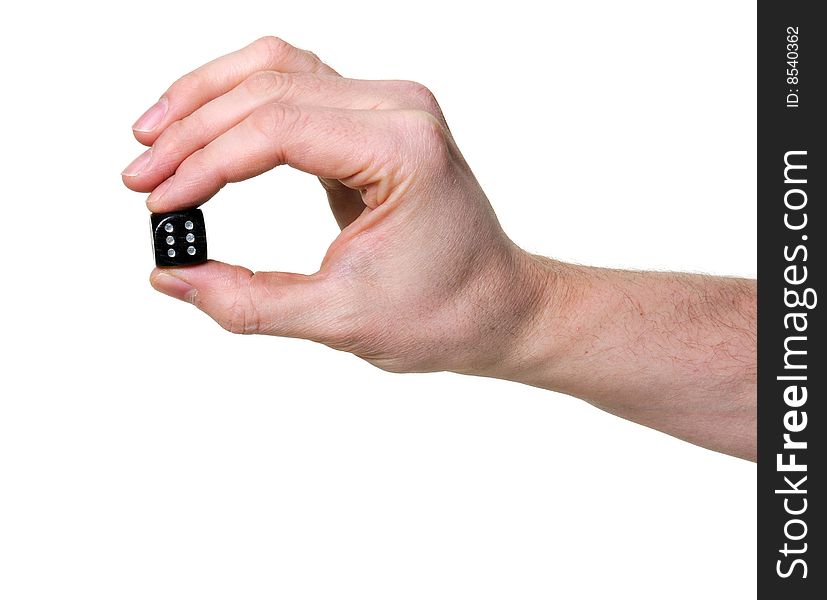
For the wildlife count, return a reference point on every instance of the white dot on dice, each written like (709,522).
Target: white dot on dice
(191,250)
(188,224)
(170,252)
(168,227)
(190,238)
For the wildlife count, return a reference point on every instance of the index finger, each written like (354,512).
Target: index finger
(219,76)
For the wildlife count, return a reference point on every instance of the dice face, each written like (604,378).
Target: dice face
(179,238)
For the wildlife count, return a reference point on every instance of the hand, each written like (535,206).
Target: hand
(421,277)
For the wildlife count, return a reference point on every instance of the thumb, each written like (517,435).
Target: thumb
(285,304)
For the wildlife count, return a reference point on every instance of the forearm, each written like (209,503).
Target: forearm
(671,351)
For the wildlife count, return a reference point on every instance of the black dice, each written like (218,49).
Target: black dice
(180,238)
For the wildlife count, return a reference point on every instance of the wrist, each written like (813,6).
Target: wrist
(540,307)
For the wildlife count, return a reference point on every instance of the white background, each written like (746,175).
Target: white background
(146,453)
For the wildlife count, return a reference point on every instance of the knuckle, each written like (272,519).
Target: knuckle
(420,96)
(271,119)
(236,321)
(188,85)
(194,164)
(198,170)
(174,132)
(177,135)
(313,56)
(426,134)
(241,315)
(265,84)
(273,49)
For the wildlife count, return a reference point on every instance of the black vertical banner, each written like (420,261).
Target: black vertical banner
(792,365)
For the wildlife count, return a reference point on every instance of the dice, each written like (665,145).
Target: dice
(179,238)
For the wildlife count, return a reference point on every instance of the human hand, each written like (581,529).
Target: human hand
(421,277)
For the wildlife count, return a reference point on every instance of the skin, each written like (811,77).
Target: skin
(422,277)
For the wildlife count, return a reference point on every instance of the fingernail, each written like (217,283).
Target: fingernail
(152,117)
(159,191)
(137,165)
(168,284)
